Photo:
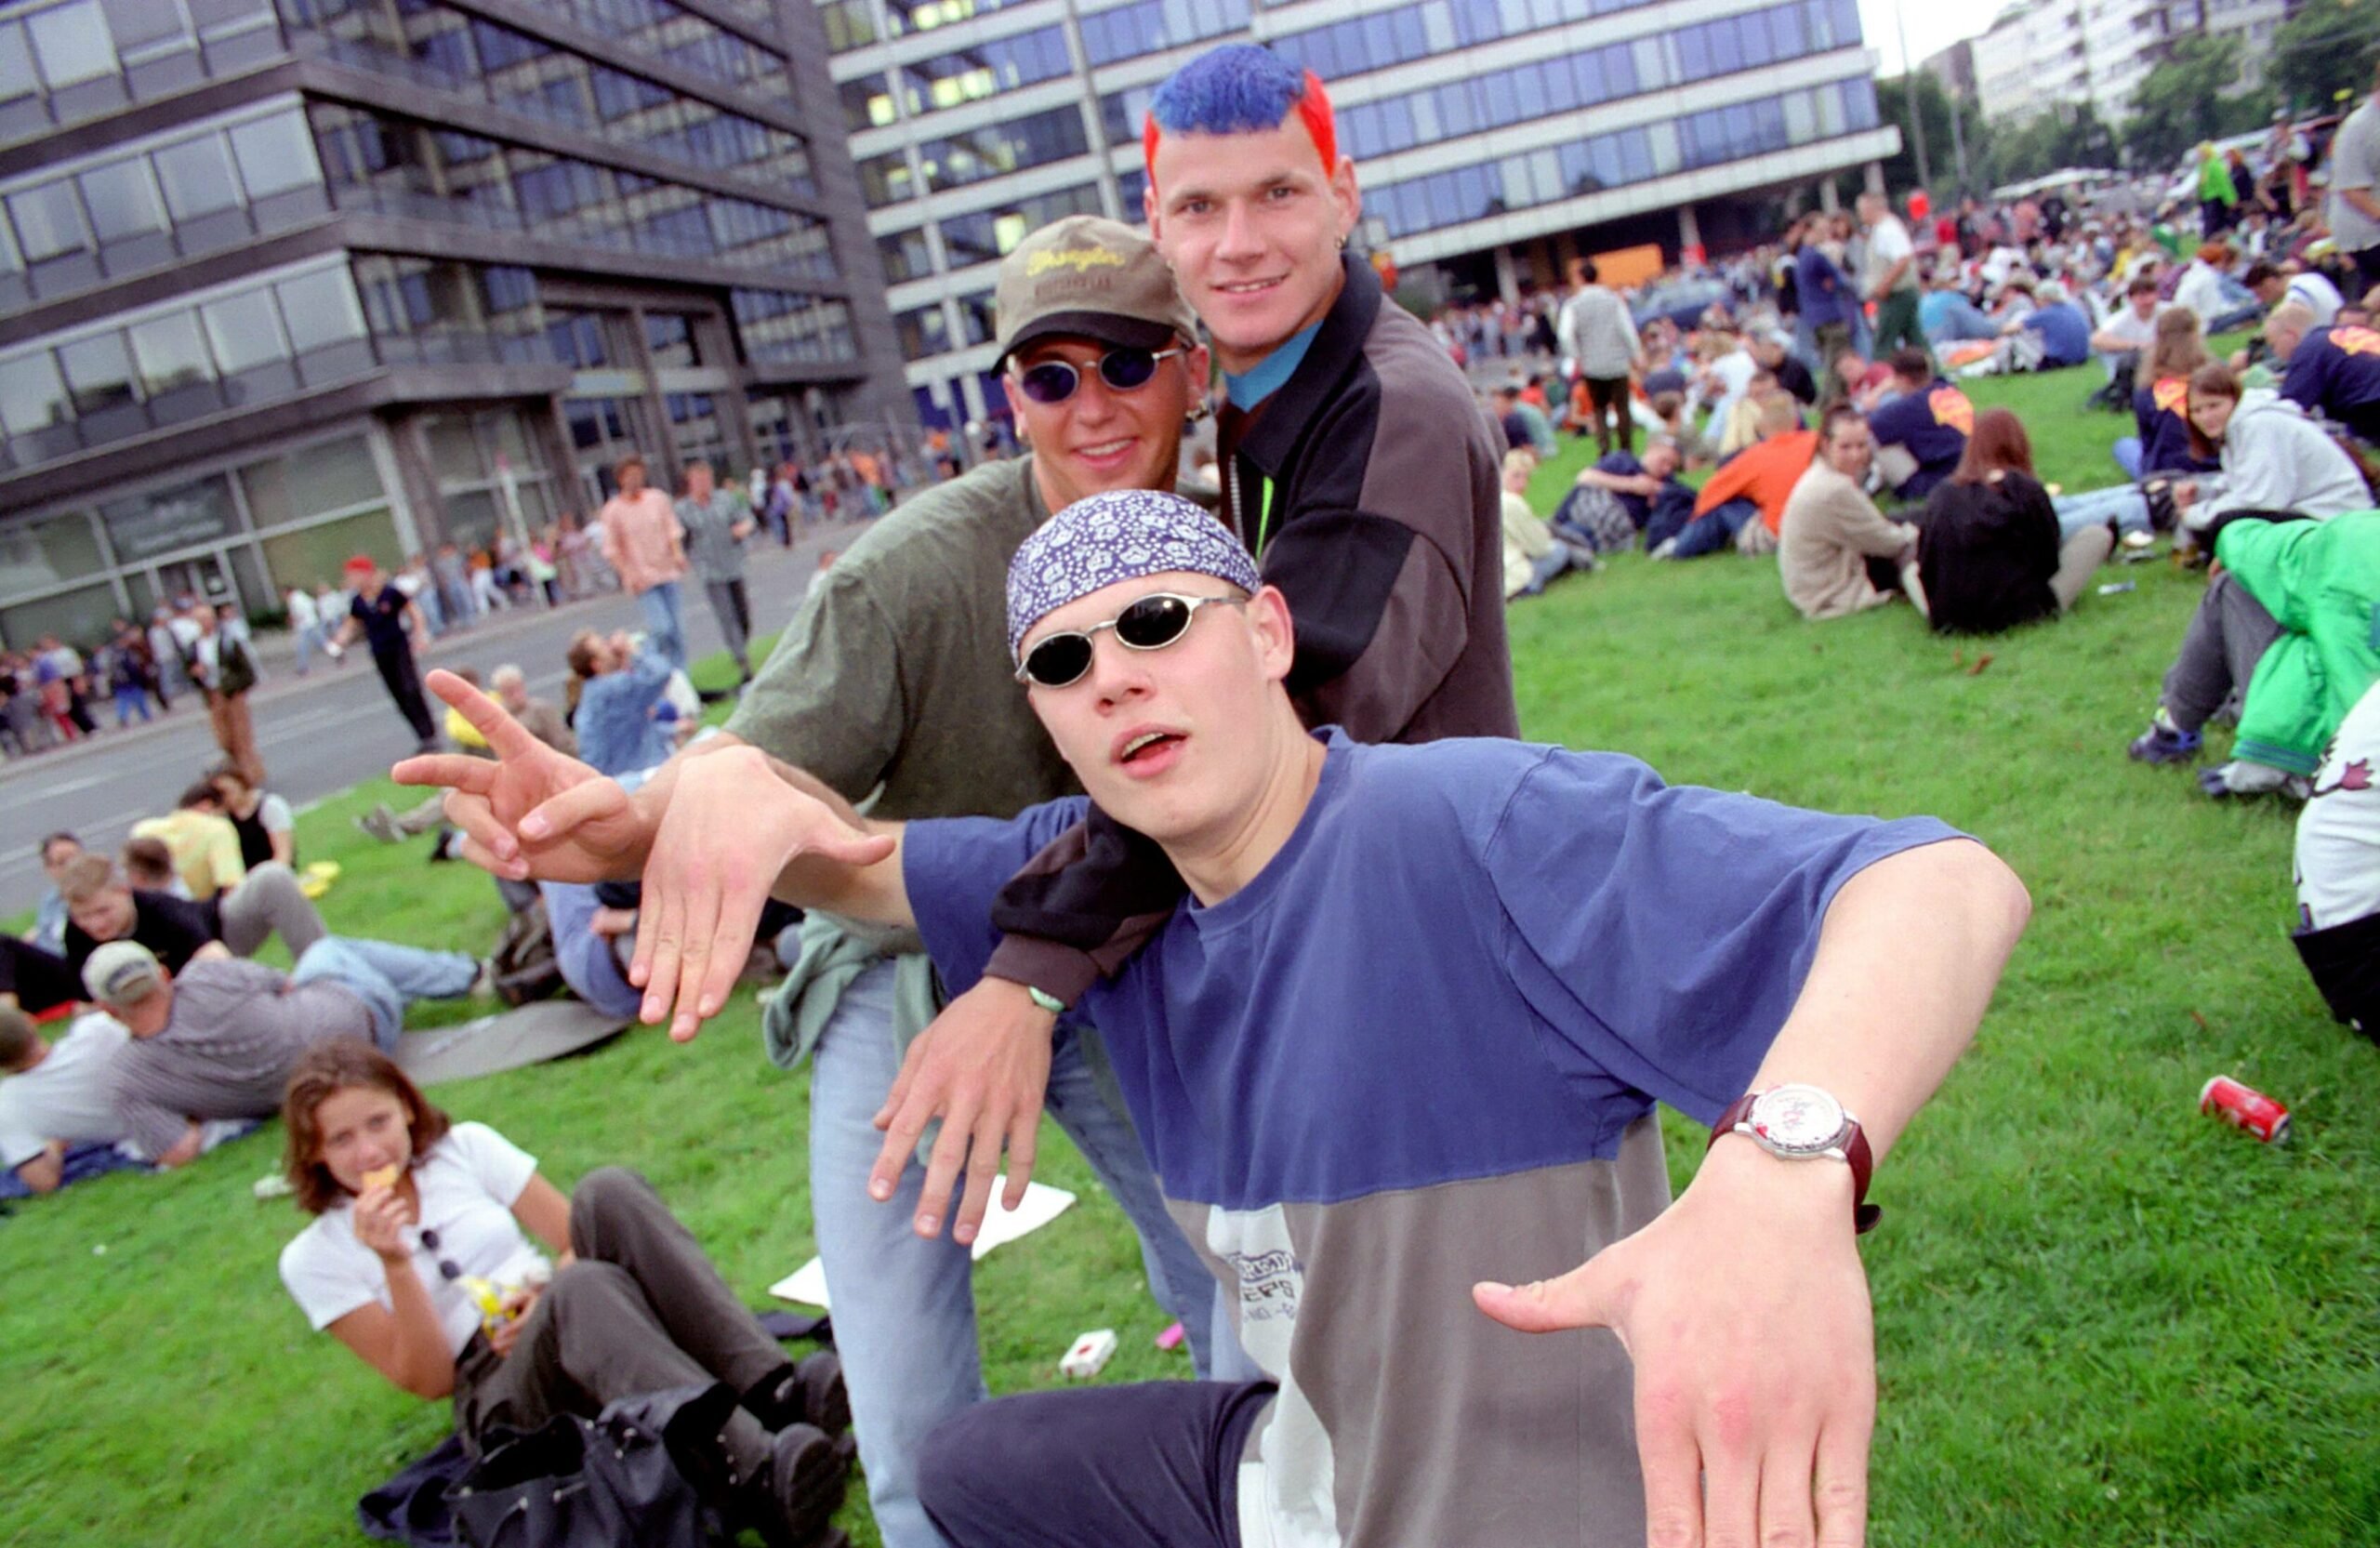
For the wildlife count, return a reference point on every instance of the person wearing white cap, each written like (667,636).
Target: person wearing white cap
(218,1039)
(1405,1031)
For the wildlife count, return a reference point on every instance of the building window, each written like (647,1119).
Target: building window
(669,336)
(924,332)
(985,237)
(1148,26)
(996,149)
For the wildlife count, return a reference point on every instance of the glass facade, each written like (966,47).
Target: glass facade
(409,282)
(238,346)
(1631,155)
(382,162)
(175,197)
(77,59)
(244,526)
(487,62)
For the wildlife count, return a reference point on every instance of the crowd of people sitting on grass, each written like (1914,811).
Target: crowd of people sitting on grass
(1137,777)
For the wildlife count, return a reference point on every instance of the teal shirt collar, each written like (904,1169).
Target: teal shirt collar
(1252,386)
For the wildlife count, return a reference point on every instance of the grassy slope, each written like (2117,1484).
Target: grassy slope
(2101,1318)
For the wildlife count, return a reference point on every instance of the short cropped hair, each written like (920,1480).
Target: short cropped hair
(1238,89)
(60,836)
(86,877)
(148,860)
(2258,272)
(2143,282)
(1910,363)
(634,460)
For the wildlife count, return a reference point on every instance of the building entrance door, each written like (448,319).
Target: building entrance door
(202,575)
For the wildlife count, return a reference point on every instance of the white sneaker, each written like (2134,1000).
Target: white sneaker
(1666,549)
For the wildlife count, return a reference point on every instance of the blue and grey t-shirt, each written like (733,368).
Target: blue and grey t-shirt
(1422,1049)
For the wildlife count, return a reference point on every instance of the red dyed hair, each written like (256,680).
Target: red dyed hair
(1313,106)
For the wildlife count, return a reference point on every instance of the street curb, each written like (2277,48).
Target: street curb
(286,684)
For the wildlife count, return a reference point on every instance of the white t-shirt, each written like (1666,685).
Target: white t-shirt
(303,613)
(2338,834)
(2133,328)
(1887,245)
(468,1183)
(68,1096)
(2318,295)
(273,812)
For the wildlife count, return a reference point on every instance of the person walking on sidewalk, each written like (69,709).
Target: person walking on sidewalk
(391,622)
(226,667)
(715,523)
(644,543)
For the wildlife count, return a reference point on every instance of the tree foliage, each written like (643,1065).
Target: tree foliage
(2186,100)
(2328,48)
(1934,113)
(2043,144)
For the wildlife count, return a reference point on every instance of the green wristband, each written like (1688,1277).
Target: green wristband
(1045,999)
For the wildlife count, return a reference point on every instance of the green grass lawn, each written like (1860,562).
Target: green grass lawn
(2101,1318)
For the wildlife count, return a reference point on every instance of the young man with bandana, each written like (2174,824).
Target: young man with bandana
(1360,471)
(891,679)
(1400,1042)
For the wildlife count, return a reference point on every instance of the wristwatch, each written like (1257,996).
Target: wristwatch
(1798,1122)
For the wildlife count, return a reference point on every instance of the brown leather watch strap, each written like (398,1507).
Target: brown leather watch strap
(1862,1161)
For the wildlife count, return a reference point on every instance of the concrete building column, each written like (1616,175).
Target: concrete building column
(1508,279)
(1829,201)
(1873,177)
(1689,230)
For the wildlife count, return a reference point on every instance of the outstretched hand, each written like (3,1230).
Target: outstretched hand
(731,827)
(531,812)
(982,1067)
(1755,1387)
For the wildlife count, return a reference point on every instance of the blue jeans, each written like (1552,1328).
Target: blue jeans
(129,702)
(588,963)
(665,622)
(2124,505)
(1714,530)
(386,976)
(904,1307)
(2127,454)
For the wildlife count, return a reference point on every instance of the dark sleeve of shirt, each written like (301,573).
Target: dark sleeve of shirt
(40,980)
(2308,374)
(173,928)
(952,867)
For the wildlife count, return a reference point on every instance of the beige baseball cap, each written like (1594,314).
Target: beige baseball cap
(122,973)
(1089,277)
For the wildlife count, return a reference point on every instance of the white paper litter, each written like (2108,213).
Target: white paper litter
(1042,1204)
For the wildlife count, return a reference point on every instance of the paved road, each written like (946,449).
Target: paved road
(321,733)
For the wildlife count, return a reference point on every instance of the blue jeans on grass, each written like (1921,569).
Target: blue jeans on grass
(2122,504)
(904,1307)
(1708,532)
(665,622)
(386,976)
(2127,454)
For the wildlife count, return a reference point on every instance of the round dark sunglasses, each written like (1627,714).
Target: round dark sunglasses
(1054,381)
(1150,624)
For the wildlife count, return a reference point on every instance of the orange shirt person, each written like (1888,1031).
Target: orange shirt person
(1765,471)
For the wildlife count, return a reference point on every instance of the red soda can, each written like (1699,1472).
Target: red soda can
(2244,1107)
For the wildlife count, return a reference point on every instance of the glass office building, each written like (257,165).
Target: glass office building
(282,282)
(1492,136)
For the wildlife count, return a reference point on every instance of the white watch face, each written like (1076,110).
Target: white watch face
(1797,1120)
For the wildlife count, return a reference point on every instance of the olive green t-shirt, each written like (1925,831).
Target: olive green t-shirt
(895,673)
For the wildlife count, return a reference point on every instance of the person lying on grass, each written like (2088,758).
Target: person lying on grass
(417,1218)
(1407,1032)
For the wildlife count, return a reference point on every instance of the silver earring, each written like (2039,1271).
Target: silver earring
(1343,242)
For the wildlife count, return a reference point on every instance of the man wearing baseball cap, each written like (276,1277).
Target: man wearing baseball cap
(217,1040)
(392,623)
(1395,1054)
(893,677)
